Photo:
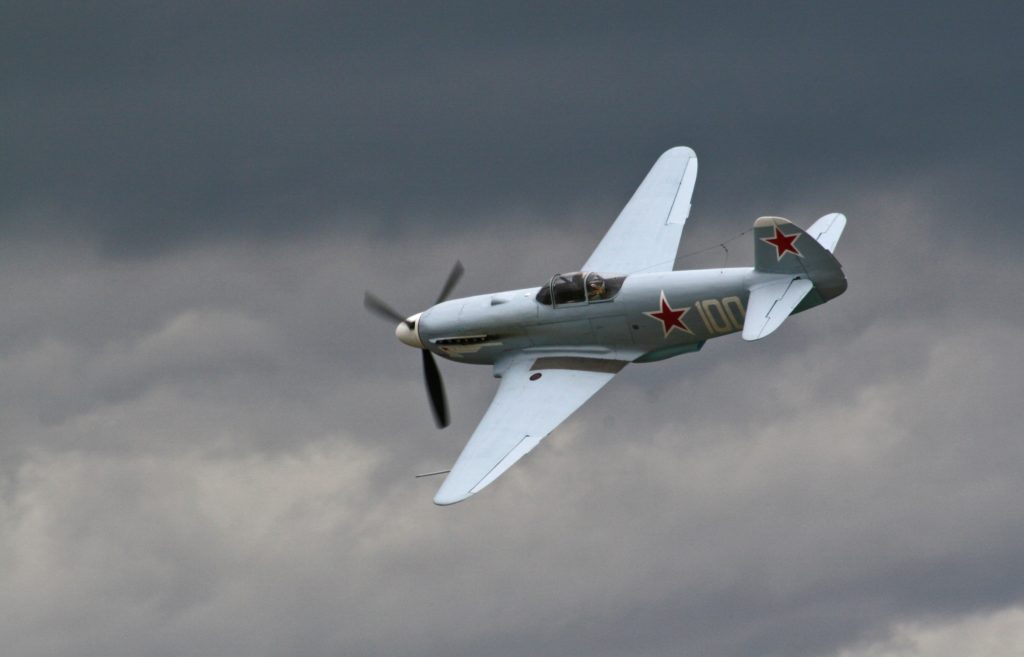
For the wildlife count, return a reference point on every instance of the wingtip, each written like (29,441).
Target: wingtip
(680,150)
(453,490)
(447,499)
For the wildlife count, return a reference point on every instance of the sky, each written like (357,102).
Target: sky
(207,445)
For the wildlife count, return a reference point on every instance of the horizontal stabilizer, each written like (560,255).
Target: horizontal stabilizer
(827,230)
(771,303)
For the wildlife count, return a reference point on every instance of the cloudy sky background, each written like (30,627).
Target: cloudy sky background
(207,445)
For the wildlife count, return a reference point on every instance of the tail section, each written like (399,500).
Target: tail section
(784,248)
(806,272)
(771,303)
(827,230)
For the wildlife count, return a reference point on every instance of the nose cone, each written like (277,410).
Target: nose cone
(409,336)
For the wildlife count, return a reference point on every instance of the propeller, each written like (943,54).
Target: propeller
(435,389)
(431,374)
(381,309)
(449,284)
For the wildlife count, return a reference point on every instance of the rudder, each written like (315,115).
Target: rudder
(781,247)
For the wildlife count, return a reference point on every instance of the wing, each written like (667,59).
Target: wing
(645,236)
(534,397)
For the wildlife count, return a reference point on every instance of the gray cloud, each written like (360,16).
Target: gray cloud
(228,467)
(150,126)
(208,444)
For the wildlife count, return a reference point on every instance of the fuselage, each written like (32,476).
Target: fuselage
(650,317)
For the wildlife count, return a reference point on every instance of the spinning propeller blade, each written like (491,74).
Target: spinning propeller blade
(381,309)
(449,284)
(431,374)
(435,388)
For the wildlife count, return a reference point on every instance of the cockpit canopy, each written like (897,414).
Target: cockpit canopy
(579,287)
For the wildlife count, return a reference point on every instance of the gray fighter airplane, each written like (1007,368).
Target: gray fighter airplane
(556,345)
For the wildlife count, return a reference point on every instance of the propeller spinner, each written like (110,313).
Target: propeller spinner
(407,331)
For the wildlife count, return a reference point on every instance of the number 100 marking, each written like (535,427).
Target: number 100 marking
(723,316)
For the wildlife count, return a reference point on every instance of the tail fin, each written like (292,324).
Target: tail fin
(808,272)
(784,248)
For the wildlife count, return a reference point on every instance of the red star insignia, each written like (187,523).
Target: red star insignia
(783,243)
(670,317)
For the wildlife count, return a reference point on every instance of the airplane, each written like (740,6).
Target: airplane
(555,346)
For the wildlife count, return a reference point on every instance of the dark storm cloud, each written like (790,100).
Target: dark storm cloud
(208,446)
(144,125)
(211,451)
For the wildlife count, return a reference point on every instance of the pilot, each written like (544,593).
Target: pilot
(595,288)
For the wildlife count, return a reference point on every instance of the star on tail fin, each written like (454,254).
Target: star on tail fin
(781,247)
(802,271)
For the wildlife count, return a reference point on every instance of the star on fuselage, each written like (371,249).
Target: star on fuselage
(670,318)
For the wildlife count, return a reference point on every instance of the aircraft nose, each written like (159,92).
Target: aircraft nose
(409,336)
